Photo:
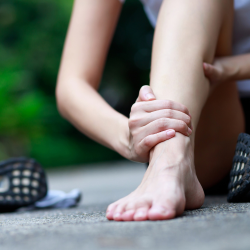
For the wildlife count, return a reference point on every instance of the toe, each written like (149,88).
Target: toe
(110,211)
(128,215)
(141,214)
(119,212)
(161,213)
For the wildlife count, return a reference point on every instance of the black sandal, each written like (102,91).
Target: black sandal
(22,183)
(239,185)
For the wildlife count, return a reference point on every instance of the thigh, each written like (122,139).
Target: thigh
(220,122)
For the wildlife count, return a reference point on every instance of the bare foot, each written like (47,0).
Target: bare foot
(168,188)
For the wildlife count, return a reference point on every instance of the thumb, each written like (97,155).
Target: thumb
(146,94)
(208,69)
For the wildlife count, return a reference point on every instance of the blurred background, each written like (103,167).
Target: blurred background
(32,34)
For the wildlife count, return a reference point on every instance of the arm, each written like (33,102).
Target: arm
(91,28)
(90,32)
(226,69)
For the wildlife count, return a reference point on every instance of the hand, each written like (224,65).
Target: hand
(153,121)
(216,73)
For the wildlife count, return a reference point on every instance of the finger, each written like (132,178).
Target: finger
(146,94)
(152,140)
(158,105)
(208,70)
(160,125)
(165,113)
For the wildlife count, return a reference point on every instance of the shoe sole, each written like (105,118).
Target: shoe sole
(23,182)
(239,185)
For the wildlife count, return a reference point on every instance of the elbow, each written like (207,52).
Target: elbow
(61,96)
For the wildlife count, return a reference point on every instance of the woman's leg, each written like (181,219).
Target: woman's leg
(186,35)
(221,121)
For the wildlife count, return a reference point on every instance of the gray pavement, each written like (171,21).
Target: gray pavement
(217,225)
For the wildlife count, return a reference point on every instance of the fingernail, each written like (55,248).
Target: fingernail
(150,96)
(189,131)
(170,132)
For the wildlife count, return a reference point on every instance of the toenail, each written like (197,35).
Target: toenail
(140,214)
(117,215)
(164,212)
(130,211)
(160,211)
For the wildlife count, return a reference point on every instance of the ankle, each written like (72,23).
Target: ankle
(173,152)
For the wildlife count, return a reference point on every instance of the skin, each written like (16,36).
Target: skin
(230,68)
(170,184)
(156,121)
(174,177)
(81,68)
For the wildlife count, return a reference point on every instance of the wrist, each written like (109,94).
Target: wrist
(121,144)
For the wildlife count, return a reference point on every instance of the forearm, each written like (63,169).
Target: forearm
(82,106)
(88,38)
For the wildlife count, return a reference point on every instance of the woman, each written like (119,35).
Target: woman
(188,33)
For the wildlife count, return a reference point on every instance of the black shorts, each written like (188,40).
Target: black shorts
(246,108)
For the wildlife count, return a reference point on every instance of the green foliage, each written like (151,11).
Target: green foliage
(31,41)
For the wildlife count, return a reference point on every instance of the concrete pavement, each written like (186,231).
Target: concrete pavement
(217,225)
